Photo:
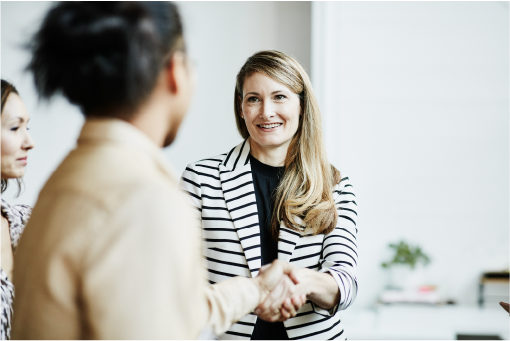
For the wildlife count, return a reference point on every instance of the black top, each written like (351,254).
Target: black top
(265,180)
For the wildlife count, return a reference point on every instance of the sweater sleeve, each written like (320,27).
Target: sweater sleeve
(229,301)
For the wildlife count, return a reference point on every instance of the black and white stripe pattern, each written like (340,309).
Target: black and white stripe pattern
(17,216)
(221,190)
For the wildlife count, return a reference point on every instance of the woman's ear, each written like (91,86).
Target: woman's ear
(169,72)
(176,73)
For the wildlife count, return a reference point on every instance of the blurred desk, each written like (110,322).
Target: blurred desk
(415,322)
(498,282)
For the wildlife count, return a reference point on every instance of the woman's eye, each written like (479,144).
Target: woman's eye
(14,128)
(279,97)
(253,99)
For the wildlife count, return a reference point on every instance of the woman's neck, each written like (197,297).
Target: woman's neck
(272,156)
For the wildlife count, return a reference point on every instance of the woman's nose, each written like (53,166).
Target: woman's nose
(267,110)
(28,143)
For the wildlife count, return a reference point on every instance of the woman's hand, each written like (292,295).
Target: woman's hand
(319,287)
(292,291)
(282,303)
(268,308)
(291,306)
(284,300)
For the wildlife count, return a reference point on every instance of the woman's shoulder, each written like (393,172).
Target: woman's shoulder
(18,216)
(344,185)
(211,163)
(16,213)
(203,171)
(231,157)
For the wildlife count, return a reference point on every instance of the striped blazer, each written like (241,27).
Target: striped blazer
(222,192)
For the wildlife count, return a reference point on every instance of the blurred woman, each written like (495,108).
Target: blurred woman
(108,253)
(16,143)
(276,196)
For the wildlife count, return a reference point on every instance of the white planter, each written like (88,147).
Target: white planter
(403,277)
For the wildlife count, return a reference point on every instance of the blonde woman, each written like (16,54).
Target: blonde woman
(276,196)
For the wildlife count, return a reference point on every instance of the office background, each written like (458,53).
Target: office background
(415,100)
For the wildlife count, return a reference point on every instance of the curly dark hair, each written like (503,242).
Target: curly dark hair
(104,55)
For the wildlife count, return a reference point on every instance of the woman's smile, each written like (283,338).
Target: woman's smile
(269,127)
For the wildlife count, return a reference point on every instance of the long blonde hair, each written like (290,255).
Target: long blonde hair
(306,188)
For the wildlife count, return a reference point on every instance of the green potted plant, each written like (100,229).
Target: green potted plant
(408,255)
(403,265)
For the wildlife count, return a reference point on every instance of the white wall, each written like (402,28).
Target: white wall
(415,98)
(220,37)
(416,103)
(54,126)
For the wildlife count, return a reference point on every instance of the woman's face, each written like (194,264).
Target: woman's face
(16,142)
(271,111)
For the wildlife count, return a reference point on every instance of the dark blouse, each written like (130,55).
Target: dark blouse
(265,180)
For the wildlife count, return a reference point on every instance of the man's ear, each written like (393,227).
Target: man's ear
(175,70)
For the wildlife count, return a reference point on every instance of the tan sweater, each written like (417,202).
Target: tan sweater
(111,250)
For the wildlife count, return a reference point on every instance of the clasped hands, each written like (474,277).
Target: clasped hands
(282,293)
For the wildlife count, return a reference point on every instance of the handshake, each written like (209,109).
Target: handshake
(282,291)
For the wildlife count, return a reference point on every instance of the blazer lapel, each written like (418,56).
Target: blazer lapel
(287,241)
(239,193)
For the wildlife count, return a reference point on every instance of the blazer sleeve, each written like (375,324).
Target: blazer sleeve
(191,185)
(339,249)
